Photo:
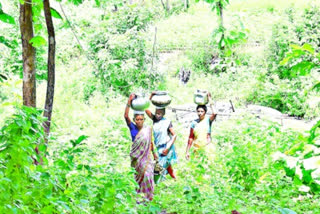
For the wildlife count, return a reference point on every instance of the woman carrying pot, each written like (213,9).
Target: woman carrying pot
(141,149)
(200,129)
(164,138)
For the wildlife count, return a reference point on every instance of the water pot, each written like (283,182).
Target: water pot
(140,102)
(161,99)
(201,97)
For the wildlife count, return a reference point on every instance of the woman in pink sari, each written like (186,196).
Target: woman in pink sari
(141,151)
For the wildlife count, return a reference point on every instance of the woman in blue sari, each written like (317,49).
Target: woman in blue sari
(164,138)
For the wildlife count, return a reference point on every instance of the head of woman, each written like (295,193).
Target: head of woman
(201,111)
(160,113)
(139,120)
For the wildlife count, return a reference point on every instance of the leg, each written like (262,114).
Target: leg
(170,171)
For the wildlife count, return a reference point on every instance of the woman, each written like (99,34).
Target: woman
(200,130)
(164,138)
(142,147)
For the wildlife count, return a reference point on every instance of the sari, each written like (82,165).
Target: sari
(201,129)
(141,160)
(161,139)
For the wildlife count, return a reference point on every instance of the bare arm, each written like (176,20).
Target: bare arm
(154,152)
(150,115)
(174,137)
(148,112)
(126,112)
(190,141)
(213,115)
(171,142)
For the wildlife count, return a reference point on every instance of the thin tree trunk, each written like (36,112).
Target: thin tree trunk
(154,46)
(164,7)
(186,4)
(167,6)
(28,55)
(51,65)
(221,24)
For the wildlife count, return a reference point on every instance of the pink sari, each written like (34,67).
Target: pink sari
(141,160)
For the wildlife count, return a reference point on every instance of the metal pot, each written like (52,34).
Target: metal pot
(161,99)
(140,102)
(201,97)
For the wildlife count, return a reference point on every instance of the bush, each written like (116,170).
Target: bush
(287,96)
(292,30)
(120,53)
(302,162)
(65,183)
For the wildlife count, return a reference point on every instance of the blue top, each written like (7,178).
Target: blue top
(133,130)
(161,131)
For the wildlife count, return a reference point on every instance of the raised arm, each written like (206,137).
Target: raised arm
(190,141)
(148,112)
(213,115)
(126,112)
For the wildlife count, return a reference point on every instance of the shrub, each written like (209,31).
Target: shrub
(121,55)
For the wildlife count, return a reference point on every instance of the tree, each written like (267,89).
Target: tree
(218,6)
(28,54)
(51,65)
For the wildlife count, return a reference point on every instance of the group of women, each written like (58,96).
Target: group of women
(144,150)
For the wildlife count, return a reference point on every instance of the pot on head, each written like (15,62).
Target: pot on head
(161,99)
(140,102)
(201,97)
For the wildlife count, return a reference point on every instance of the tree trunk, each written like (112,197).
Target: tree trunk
(167,6)
(221,24)
(28,55)
(186,4)
(51,65)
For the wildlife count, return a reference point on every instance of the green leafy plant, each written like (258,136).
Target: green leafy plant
(122,57)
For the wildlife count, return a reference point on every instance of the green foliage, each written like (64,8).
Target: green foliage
(55,13)
(290,95)
(302,162)
(19,137)
(5,17)
(301,60)
(38,41)
(65,182)
(301,35)
(121,54)
(284,95)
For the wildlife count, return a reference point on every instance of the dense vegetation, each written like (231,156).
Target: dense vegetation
(269,55)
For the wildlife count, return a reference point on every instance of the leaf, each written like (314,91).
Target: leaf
(295,47)
(76,2)
(6,18)
(316,87)
(302,68)
(97,3)
(3,77)
(37,41)
(285,60)
(55,13)
(79,140)
(308,47)
(8,43)
(313,131)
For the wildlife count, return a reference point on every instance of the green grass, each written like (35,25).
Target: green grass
(203,186)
